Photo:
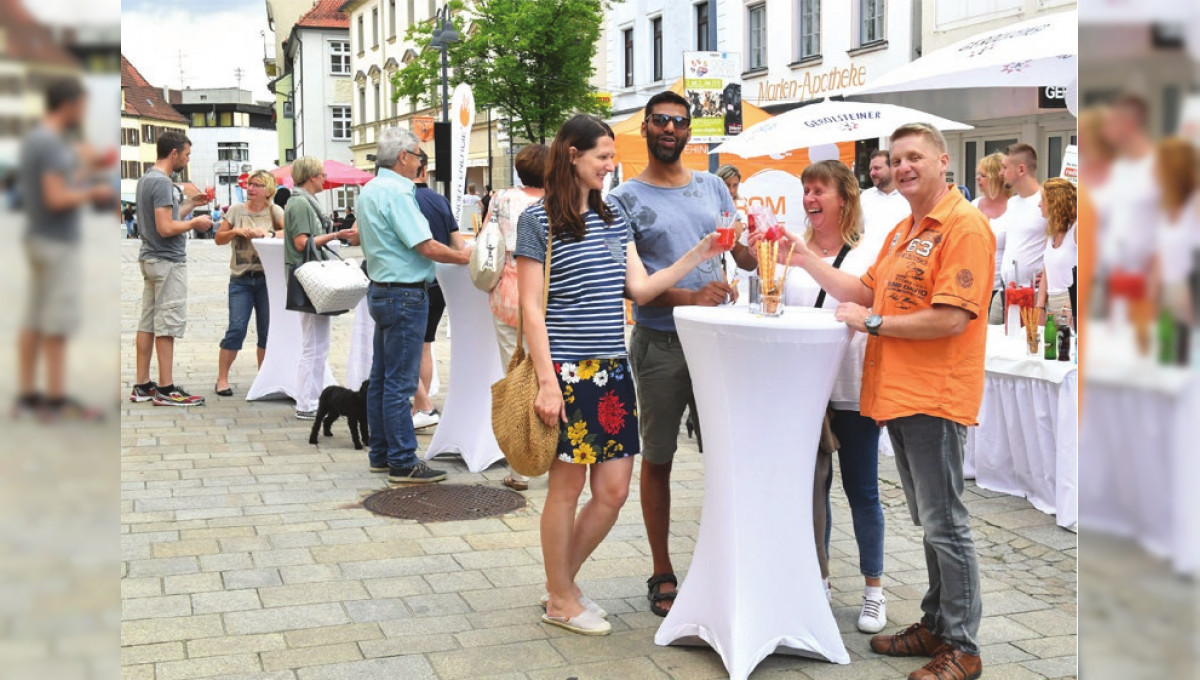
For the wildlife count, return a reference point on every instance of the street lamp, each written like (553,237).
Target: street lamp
(444,34)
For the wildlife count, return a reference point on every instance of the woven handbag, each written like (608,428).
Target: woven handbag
(527,443)
(333,286)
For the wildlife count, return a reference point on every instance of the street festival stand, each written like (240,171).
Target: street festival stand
(277,376)
(465,425)
(1025,444)
(1140,473)
(754,586)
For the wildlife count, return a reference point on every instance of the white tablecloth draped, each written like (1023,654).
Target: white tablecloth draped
(1026,441)
(1139,469)
(362,350)
(761,386)
(466,423)
(277,376)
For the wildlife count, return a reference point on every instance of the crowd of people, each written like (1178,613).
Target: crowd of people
(909,264)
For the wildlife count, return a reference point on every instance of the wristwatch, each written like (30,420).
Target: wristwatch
(873,323)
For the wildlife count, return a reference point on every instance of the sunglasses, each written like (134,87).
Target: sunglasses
(661,119)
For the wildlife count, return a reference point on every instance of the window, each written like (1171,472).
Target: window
(233,151)
(288,109)
(810,29)
(657,47)
(627,36)
(226,119)
(341,123)
(870,21)
(198,120)
(378,103)
(130,137)
(702,43)
(289,155)
(148,134)
(130,170)
(391,18)
(362,43)
(412,12)
(375,27)
(343,197)
(362,104)
(758,36)
(432,8)
(339,57)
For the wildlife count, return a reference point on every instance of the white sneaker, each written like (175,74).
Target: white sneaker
(424,419)
(874,614)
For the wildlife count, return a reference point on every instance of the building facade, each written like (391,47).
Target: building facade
(231,134)
(145,113)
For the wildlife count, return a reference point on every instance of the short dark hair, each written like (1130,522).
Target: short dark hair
(880,153)
(422,159)
(1134,104)
(530,164)
(667,97)
(1028,155)
(171,140)
(63,91)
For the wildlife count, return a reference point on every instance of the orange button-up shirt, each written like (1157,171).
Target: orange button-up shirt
(950,261)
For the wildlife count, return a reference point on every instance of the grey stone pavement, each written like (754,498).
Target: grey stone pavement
(247,554)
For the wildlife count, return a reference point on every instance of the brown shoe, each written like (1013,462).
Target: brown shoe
(950,664)
(916,640)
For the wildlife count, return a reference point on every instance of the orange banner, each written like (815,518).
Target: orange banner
(422,127)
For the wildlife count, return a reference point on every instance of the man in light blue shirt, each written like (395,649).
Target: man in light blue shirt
(400,252)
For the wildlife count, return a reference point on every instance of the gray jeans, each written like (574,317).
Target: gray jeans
(929,458)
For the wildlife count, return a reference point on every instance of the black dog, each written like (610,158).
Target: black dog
(340,401)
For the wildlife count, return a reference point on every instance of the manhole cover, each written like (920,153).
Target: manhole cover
(443,502)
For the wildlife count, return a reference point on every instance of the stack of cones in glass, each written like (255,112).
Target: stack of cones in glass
(1029,317)
(772,287)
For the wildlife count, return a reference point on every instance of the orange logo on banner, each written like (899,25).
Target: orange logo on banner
(464,115)
(422,127)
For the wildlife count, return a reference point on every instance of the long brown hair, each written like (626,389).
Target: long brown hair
(837,175)
(1176,159)
(1062,205)
(562,184)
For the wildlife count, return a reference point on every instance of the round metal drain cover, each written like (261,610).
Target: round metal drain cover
(444,502)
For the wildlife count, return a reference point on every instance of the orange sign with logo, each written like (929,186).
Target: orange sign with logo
(422,127)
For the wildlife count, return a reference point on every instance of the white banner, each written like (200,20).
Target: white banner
(1070,166)
(781,191)
(462,119)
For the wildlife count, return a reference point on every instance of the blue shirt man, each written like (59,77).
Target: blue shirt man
(400,252)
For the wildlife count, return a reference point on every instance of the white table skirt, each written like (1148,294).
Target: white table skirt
(465,427)
(276,377)
(1140,470)
(362,350)
(761,386)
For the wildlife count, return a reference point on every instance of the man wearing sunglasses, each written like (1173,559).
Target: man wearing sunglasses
(669,209)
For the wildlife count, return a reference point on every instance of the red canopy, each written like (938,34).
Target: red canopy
(336,175)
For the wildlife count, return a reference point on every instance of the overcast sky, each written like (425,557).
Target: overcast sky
(208,39)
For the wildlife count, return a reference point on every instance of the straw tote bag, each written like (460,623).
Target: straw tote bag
(527,443)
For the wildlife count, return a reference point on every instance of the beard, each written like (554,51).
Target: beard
(666,155)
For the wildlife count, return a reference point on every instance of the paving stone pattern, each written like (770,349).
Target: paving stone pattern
(247,554)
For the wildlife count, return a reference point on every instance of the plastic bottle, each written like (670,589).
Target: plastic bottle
(1064,340)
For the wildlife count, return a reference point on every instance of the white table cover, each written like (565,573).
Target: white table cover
(1026,441)
(1139,473)
(362,350)
(754,586)
(465,427)
(277,376)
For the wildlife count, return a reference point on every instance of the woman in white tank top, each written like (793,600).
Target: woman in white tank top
(1059,206)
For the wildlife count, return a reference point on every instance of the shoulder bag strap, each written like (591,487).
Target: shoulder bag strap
(837,263)
(545,285)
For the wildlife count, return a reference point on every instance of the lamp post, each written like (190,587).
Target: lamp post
(444,34)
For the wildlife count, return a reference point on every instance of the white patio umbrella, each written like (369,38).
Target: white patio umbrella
(1041,51)
(827,122)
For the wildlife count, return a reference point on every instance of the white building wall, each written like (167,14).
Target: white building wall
(317,91)
(206,166)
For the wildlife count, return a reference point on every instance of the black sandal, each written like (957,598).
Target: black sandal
(655,595)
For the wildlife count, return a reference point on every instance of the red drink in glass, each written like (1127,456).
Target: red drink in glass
(725,237)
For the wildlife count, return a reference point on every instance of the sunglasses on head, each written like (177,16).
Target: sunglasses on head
(661,120)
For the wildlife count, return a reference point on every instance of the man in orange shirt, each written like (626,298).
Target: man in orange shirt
(921,303)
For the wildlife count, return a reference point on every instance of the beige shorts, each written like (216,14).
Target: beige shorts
(164,298)
(52,300)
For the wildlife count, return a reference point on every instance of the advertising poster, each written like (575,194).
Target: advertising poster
(462,119)
(712,84)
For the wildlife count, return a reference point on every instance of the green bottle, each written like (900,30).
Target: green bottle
(1050,338)
(1166,338)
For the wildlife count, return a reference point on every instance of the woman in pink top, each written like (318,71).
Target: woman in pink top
(530,164)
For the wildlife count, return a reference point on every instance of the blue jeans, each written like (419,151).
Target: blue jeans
(929,458)
(247,293)
(858,458)
(400,315)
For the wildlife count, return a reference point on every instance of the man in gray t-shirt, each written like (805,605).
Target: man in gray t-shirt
(163,260)
(669,209)
(53,193)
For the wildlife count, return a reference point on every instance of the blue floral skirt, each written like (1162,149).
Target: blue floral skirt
(601,410)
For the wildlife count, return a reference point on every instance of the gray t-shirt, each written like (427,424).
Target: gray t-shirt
(44,151)
(666,224)
(155,190)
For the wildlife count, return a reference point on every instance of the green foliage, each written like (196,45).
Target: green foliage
(530,59)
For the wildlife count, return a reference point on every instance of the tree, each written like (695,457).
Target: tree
(530,59)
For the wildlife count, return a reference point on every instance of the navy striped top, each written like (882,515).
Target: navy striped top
(585,316)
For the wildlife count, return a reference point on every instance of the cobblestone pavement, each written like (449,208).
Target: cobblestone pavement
(247,554)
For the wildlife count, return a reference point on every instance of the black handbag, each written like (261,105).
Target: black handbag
(297,298)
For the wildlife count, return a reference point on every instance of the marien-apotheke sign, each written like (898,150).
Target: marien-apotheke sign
(812,85)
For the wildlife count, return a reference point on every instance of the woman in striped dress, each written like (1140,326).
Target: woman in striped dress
(578,350)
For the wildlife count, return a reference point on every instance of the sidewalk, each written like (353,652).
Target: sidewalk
(247,554)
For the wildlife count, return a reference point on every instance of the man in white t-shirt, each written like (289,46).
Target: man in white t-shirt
(882,205)
(1126,243)
(1026,228)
